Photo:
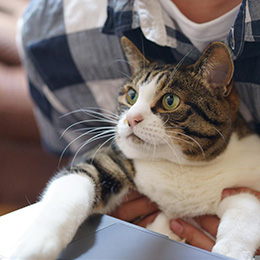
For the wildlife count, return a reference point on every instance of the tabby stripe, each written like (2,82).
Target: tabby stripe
(165,82)
(199,135)
(122,107)
(77,169)
(161,67)
(160,77)
(109,184)
(121,93)
(182,120)
(216,152)
(200,112)
(118,153)
(120,164)
(147,76)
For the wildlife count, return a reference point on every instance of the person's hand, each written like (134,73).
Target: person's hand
(136,209)
(210,224)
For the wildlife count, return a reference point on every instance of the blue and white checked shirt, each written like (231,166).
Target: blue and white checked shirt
(72,54)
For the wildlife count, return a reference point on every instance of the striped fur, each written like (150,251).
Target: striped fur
(157,151)
(203,116)
(110,172)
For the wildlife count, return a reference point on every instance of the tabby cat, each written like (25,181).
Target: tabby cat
(180,141)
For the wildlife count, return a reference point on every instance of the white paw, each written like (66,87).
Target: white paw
(37,245)
(232,249)
(161,225)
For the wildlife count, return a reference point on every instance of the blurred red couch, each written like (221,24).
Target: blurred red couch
(24,166)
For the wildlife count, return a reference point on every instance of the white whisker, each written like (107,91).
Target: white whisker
(80,136)
(222,136)
(177,138)
(100,115)
(126,61)
(147,147)
(174,127)
(154,148)
(121,60)
(102,128)
(177,157)
(92,139)
(95,114)
(71,112)
(166,121)
(123,73)
(81,122)
(104,143)
(143,52)
(192,139)
(69,144)
(105,110)
(181,61)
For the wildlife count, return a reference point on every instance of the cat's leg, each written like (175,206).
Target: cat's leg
(67,202)
(69,199)
(161,224)
(239,230)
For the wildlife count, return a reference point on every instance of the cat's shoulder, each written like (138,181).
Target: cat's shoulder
(241,127)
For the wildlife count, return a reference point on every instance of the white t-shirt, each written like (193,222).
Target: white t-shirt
(201,34)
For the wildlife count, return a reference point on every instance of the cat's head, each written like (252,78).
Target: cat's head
(181,114)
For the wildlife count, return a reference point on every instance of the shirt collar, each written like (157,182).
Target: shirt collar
(157,27)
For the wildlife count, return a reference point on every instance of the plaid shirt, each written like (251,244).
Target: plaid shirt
(72,54)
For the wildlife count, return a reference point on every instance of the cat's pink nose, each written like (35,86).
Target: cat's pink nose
(133,120)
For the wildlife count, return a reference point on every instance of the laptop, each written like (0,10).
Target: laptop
(102,237)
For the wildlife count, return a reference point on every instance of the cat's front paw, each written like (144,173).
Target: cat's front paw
(232,249)
(37,246)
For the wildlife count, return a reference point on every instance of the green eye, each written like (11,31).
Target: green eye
(131,96)
(170,101)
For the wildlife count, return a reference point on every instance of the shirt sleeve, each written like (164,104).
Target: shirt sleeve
(71,67)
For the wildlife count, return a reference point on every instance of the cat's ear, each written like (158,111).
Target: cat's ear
(217,68)
(136,60)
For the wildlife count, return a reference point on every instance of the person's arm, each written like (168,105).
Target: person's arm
(71,67)
(136,209)
(33,44)
(140,210)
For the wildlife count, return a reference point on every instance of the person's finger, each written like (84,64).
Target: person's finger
(232,191)
(132,195)
(193,236)
(209,223)
(148,219)
(133,209)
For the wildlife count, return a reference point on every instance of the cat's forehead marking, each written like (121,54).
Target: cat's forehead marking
(146,95)
(147,90)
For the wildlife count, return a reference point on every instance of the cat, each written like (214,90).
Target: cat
(180,141)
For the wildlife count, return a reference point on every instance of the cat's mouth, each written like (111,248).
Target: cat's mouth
(135,139)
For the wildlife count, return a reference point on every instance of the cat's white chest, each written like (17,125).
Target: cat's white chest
(190,191)
(179,192)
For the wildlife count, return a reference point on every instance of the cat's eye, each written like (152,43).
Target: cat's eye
(131,96)
(170,101)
